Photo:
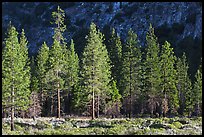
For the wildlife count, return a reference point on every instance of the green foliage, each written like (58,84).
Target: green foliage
(168,73)
(113,127)
(95,66)
(177,124)
(42,66)
(71,67)
(114,48)
(197,88)
(197,91)
(57,56)
(15,71)
(115,95)
(34,80)
(146,79)
(43,124)
(131,69)
(184,85)
(58,18)
(151,64)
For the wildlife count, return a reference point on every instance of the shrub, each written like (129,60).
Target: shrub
(177,124)
(43,124)
(141,131)
(117,130)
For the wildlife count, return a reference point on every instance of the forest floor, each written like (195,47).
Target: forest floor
(104,126)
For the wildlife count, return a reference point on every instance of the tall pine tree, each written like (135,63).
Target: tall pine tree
(55,72)
(57,56)
(115,54)
(71,74)
(35,108)
(131,72)
(15,73)
(197,92)
(184,85)
(168,76)
(152,70)
(42,69)
(95,68)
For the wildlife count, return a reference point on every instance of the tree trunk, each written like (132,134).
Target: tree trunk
(23,114)
(41,100)
(98,107)
(58,98)
(52,106)
(93,109)
(197,109)
(12,110)
(130,113)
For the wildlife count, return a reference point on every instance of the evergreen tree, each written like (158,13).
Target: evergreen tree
(105,74)
(168,75)
(34,108)
(184,85)
(131,72)
(58,18)
(114,104)
(73,66)
(197,91)
(26,68)
(152,69)
(115,54)
(72,70)
(15,73)
(57,56)
(56,71)
(95,68)
(41,70)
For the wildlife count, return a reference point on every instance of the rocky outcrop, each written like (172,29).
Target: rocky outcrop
(184,18)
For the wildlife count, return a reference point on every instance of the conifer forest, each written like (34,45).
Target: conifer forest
(114,86)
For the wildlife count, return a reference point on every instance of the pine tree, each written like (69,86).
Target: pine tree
(15,73)
(168,76)
(131,72)
(35,108)
(72,70)
(184,85)
(57,56)
(197,91)
(41,70)
(152,68)
(114,103)
(58,18)
(55,72)
(105,74)
(95,68)
(115,54)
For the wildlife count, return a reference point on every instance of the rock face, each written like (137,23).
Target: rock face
(183,17)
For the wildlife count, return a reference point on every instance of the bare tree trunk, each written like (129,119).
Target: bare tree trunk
(58,98)
(130,113)
(197,109)
(23,114)
(52,106)
(98,107)
(93,109)
(41,99)
(12,110)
